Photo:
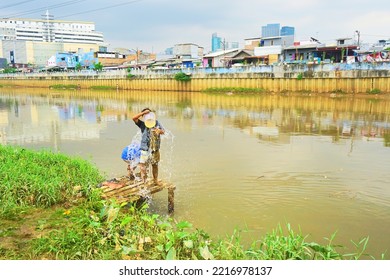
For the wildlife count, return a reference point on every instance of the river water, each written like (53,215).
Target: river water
(248,162)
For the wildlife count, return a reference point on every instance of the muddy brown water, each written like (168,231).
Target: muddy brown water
(248,162)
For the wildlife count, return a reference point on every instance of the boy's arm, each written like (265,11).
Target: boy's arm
(137,116)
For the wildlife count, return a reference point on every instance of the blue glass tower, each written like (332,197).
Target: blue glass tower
(216,42)
(287,30)
(270,30)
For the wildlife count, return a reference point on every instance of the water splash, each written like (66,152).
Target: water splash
(146,195)
(168,143)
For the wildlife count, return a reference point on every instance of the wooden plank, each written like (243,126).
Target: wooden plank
(121,189)
(125,190)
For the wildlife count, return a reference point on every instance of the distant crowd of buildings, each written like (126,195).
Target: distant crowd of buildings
(47,43)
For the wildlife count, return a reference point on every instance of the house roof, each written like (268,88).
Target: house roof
(255,38)
(344,38)
(271,38)
(247,52)
(219,53)
(306,46)
(336,48)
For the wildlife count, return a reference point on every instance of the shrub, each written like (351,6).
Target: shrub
(129,74)
(182,77)
(374,91)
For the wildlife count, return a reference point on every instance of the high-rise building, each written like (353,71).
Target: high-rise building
(34,41)
(169,51)
(49,30)
(216,42)
(233,45)
(287,30)
(270,30)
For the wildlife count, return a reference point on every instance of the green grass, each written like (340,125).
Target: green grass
(102,87)
(41,179)
(50,208)
(374,91)
(234,90)
(61,86)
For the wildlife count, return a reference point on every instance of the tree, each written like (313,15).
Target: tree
(98,66)
(78,66)
(342,54)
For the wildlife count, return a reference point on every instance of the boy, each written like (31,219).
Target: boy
(150,144)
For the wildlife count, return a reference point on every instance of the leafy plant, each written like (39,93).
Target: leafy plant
(9,70)
(98,66)
(300,76)
(129,74)
(374,91)
(78,67)
(182,77)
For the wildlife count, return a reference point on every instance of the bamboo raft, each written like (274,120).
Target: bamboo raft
(124,190)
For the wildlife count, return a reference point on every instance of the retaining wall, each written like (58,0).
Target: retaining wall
(341,82)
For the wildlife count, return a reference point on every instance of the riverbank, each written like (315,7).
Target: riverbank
(51,209)
(273,80)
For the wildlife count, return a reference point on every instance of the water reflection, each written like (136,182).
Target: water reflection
(246,161)
(269,118)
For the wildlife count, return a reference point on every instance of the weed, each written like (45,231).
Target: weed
(102,87)
(41,179)
(61,86)
(234,90)
(374,91)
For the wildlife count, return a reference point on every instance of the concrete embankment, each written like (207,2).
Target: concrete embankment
(337,82)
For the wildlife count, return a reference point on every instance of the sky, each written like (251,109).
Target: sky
(155,25)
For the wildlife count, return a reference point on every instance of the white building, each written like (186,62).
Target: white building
(189,50)
(49,30)
(33,41)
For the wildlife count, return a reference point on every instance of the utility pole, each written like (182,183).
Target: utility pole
(358,40)
(224,54)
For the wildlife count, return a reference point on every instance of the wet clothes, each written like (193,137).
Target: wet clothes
(149,139)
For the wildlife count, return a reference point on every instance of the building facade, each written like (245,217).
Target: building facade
(189,50)
(33,41)
(216,42)
(252,43)
(49,30)
(37,53)
(270,30)
(287,30)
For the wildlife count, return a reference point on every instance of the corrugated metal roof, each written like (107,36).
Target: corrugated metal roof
(306,46)
(218,53)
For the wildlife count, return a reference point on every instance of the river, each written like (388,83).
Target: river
(247,162)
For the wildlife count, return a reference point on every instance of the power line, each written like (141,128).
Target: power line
(376,35)
(15,4)
(99,9)
(43,8)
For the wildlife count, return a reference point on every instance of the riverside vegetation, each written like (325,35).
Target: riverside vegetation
(51,208)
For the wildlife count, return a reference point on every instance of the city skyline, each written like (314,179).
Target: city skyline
(154,26)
